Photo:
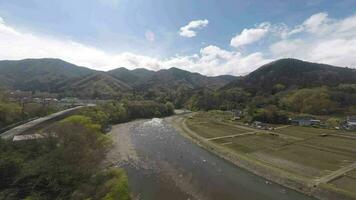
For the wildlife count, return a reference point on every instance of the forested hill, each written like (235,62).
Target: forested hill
(293,73)
(131,77)
(58,76)
(174,78)
(38,74)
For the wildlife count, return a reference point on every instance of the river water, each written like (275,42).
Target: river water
(171,167)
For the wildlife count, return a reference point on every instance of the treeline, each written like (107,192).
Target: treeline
(13,112)
(66,165)
(114,112)
(277,106)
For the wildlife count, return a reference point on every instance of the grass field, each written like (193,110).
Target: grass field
(345,183)
(352,174)
(210,128)
(312,153)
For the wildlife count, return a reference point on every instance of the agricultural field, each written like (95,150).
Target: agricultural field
(320,156)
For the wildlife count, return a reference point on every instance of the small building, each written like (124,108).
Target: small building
(259,125)
(350,123)
(237,114)
(305,122)
(27,137)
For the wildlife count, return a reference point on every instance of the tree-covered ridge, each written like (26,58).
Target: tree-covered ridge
(38,74)
(293,74)
(131,77)
(94,86)
(57,76)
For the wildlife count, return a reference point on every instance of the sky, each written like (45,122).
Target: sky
(212,37)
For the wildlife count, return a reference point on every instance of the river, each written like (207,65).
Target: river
(163,165)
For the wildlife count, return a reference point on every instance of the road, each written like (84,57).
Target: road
(335,174)
(8,135)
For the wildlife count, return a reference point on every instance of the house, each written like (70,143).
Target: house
(259,125)
(237,114)
(350,123)
(305,122)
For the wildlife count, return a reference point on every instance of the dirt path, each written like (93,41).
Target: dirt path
(335,174)
(35,123)
(231,136)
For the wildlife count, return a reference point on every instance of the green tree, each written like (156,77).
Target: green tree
(311,100)
(333,122)
(270,114)
(170,108)
(9,113)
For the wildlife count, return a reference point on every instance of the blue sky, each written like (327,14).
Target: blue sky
(207,36)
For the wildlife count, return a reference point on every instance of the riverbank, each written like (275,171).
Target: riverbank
(282,177)
(162,164)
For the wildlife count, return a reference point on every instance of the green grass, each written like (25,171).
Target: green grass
(352,173)
(213,129)
(302,151)
(317,162)
(304,132)
(345,183)
(335,144)
(261,141)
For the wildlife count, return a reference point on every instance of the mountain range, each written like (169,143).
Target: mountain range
(58,76)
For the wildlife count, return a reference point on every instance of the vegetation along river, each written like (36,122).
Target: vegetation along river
(162,164)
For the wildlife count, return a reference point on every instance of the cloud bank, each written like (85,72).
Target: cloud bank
(318,38)
(248,36)
(190,29)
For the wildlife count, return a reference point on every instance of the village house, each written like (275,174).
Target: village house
(350,123)
(237,114)
(305,122)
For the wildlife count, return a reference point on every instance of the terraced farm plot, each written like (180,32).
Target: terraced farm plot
(296,158)
(213,129)
(310,154)
(351,174)
(304,132)
(257,142)
(345,183)
(334,144)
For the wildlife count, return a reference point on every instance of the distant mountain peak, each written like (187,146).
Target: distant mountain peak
(294,73)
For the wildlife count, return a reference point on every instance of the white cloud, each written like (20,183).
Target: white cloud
(286,48)
(19,45)
(211,60)
(321,39)
(248,36)
(314,24)
(190,29)
(337,52)
(334,43)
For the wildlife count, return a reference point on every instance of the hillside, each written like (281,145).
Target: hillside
(175,78)
(96,86)
(131,77)
(293,73)
(38,74)
(57,76)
